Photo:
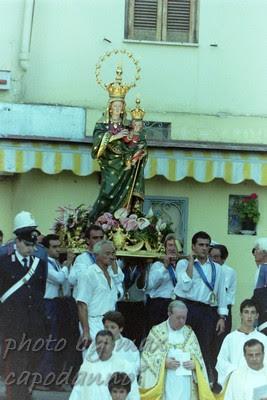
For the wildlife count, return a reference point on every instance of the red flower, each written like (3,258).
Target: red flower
(253,196)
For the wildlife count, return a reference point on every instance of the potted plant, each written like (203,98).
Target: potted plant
(248,212)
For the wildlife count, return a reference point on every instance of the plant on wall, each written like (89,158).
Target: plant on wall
(247,210)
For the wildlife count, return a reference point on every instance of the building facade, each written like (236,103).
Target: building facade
(203,85)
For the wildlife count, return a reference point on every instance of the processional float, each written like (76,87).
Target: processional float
(120,147)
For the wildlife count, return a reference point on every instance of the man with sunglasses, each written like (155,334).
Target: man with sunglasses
(22,287)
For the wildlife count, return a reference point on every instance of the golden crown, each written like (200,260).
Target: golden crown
(117,90)
(137,113)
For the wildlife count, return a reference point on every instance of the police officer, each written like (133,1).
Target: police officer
(22,287)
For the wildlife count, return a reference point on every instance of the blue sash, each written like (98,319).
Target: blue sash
(54,264)
(131,276)
(199,269)
(172,274)
(92,257)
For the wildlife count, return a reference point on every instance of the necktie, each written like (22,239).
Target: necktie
(25,263)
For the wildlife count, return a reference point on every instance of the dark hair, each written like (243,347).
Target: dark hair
(200,235)
(251,343)
(1,233)
(47,238)
(248,303)
(104,332)
(169,236)
(119,380)
(90,228)
(114,316)
(223,250)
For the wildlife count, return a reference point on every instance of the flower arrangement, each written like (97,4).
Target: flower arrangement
(247,208)
(70,225)
(129,232)
(134,232)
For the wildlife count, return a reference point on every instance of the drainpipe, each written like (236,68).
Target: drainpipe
(24,55)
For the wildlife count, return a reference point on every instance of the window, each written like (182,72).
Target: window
(171,210)
(161,20)
(155,130)
(243,214)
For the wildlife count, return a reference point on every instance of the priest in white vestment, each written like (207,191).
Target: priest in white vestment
(231,355)
(250,381)
(171,358)
(97,369)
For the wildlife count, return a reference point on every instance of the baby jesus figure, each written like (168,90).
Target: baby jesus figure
(136,139)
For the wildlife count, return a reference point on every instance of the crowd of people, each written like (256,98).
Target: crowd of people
(131,328)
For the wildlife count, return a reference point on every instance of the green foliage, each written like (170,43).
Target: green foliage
(247,208)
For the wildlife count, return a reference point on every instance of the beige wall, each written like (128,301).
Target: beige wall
(6,204)
(208,209)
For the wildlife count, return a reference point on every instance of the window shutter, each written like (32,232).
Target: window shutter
(144,17)
(179,20)
(161,20)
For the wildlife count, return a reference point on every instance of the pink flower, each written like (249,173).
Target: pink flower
(106,227)
(129,224)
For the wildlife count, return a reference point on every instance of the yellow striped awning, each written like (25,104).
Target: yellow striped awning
(174,164)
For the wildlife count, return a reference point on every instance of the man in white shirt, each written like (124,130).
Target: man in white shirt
(97,369)
(125,348)
(250,381)
(161,283)
(219,255)
(97,291)
(93,234)
(57,277)
(260,294)
(132,305)
(231,354)
(260,255)
(201,285)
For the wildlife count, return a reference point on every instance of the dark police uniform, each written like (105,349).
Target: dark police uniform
(22,318)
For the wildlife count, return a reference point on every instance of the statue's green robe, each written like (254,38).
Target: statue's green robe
(118,186)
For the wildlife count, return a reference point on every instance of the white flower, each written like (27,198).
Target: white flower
(150,213)
(121,213)
(160,226)
(142,223)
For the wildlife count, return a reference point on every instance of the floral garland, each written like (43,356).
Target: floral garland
(129,232)
(134,232)
(70,225)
